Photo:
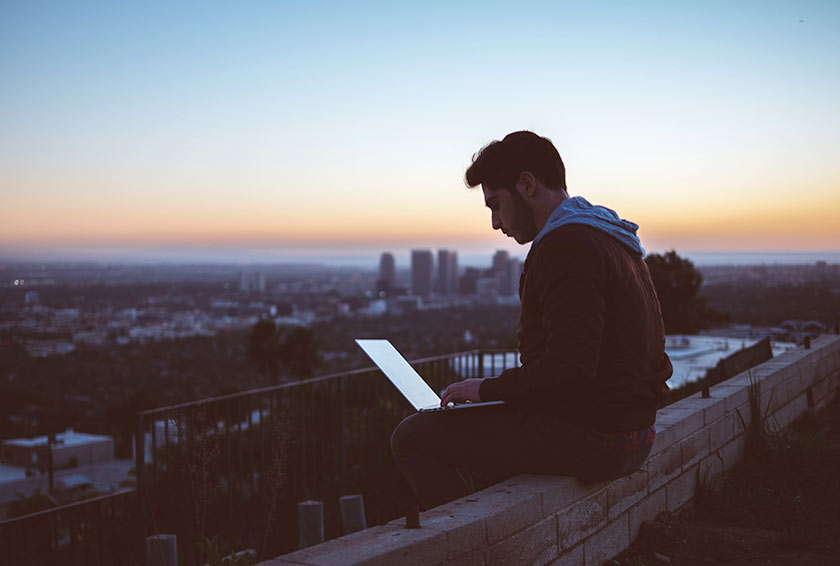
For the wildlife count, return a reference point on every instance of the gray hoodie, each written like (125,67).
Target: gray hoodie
(578,210)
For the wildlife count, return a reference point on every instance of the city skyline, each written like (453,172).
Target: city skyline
(206,132)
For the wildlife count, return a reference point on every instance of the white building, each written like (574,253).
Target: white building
(69,447)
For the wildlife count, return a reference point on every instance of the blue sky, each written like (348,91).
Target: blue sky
(346,126)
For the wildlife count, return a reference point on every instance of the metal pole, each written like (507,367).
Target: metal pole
(50,471)
(342,448)
(139,463)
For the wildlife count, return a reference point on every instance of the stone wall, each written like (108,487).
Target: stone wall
(560,520)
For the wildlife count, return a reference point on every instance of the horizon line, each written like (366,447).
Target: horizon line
(216,257)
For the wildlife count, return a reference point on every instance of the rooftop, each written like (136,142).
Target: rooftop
(67,438)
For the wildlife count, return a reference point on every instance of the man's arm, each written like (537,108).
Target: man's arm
(567,280)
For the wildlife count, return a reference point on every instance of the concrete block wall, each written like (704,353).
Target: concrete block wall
(562,521)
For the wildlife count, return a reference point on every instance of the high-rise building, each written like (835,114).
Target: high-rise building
(422,270)
(251,282)
(500,261)
(387,273)
(502,269)
(447,280)
(467,283)
(514,273)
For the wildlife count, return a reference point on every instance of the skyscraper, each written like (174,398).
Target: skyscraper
(447,280)
(422,268)
(250,282)
(387,273)
(502,271)
(500,261)
(467,283)
(514,273)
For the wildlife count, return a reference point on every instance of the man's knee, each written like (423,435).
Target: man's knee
(404,437)
(414,434)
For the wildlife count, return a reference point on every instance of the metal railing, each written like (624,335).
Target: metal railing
(236,466)
(94,532)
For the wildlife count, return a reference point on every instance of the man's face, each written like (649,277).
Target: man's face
(510,213)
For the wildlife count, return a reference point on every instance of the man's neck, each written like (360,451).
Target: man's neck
(545,205)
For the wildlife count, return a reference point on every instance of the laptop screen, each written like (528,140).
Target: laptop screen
(400,372)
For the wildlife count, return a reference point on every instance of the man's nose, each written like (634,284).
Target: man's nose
(497,224)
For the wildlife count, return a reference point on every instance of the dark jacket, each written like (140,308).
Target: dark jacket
(591,337)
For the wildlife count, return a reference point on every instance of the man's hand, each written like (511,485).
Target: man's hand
(461,391)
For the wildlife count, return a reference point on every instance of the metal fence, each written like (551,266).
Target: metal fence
(95,532)
(236,466)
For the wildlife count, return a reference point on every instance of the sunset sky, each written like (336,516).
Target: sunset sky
(272,129)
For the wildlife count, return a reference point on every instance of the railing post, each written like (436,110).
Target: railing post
(352,514)
(161,550)
(481,363)
(705,392)
(342,445)
(50,470)
(310,523)
(139,465)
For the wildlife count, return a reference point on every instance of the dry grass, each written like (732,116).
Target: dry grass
(780,505)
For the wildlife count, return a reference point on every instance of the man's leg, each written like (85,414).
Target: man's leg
(494,442)
(430,447)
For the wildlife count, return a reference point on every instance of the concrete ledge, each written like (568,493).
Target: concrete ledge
(562,521)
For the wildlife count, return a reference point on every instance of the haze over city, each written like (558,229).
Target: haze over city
(214,214)
(223,132)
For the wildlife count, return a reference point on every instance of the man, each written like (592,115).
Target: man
(591,342)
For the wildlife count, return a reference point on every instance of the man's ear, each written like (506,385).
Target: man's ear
(526,185)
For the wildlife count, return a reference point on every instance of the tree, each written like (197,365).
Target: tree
(294,347)
(678,284)
(264,348)
(299,351)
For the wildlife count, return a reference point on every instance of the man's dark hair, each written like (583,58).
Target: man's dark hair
(499,163)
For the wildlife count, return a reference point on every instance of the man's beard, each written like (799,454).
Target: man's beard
(524,227)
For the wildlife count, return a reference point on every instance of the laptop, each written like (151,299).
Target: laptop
(410,384)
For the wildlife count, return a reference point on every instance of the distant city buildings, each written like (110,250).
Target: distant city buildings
(468,282)
(208,300)
(500,279)
(770,274)
(447,280)
(506,271)
(515,273)
(252,282)
(387,281)
(422,271)
(230,298)
(500,261)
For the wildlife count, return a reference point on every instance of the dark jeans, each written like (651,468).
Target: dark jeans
(434,450)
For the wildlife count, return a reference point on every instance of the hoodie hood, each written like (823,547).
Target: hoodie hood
(578,210)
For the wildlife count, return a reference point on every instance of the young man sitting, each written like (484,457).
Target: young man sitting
(591,343)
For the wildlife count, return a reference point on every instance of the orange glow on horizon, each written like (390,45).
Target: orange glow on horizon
(690,234)
(740,224)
